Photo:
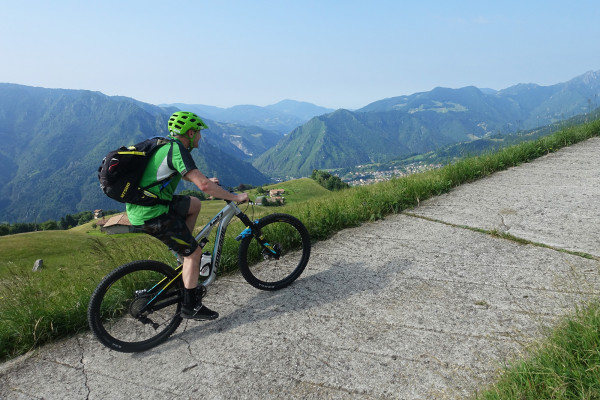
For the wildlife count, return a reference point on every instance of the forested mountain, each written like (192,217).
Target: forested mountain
(400,126)
(281,117)
(53,140)
(345,138)
(243,142)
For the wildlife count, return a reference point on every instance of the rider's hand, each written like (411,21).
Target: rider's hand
(242,198)
(214,180)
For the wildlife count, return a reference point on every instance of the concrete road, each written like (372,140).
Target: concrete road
(416,306)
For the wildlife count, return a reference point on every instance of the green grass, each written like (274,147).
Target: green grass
(298,190)
(39,307)
(564,365)
(36,308)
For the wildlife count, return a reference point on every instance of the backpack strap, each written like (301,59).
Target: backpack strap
(170,156)
(165,181)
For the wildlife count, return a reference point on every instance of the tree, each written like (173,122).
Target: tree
(22,227)
(67,222)
(328,181)
(242,187)
(83,217)
(49,225)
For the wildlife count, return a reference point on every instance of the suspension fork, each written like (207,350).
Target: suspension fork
(254,230)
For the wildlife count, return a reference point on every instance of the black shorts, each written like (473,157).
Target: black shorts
(171,229)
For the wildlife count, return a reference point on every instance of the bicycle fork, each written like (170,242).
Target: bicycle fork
(253,230)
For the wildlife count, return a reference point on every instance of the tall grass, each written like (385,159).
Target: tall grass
(37,308)
(565,365)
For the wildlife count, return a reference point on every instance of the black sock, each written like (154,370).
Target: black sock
(189,297)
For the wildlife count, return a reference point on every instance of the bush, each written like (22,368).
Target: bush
(328,181)
(49,225)
(243,187)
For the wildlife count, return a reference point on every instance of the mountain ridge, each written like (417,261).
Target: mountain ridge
(280,117)
(54,140)
(421,121)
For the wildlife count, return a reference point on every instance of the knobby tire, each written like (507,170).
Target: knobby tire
(290,238)
(113,311)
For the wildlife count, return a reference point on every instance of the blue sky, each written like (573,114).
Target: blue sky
(338,54)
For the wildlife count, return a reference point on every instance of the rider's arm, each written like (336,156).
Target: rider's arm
(211,188)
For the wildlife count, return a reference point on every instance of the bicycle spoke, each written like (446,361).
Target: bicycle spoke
(279,257)
(130,312)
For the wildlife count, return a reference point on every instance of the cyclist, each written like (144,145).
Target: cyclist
(173,224)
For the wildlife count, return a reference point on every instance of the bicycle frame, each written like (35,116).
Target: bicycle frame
(222,220)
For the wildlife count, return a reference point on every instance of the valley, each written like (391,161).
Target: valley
(51,172)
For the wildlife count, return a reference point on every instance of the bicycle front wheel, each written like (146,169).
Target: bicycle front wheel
(278,267)
(136,306)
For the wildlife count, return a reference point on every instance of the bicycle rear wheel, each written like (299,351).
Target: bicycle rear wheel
(289,239)
(136,306)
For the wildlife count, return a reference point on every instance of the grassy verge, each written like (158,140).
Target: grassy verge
(565,365)
(37,308)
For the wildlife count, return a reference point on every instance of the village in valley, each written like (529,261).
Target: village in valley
(362,175)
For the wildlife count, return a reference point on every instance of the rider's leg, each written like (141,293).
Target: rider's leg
(174,229)
(192,307)
(191,269)
(193,212)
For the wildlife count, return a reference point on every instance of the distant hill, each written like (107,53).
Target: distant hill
(405,125)
(522,106)
(303,110)
(493,143)
(53,141)
(242,142)
(281,117)
(345,138)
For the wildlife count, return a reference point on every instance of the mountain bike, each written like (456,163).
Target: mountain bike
(137,306)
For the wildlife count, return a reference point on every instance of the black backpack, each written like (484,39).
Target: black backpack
(121,172)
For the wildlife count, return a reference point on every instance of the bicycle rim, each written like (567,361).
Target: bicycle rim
(136,307)
(288,236)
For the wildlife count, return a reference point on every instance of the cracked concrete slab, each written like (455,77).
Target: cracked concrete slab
(415,306)
(552,200)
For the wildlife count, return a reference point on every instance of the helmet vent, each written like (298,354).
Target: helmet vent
(182,121)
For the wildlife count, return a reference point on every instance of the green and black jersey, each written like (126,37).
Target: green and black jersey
(168,159)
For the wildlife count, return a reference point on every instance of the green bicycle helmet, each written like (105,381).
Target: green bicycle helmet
(182,121)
